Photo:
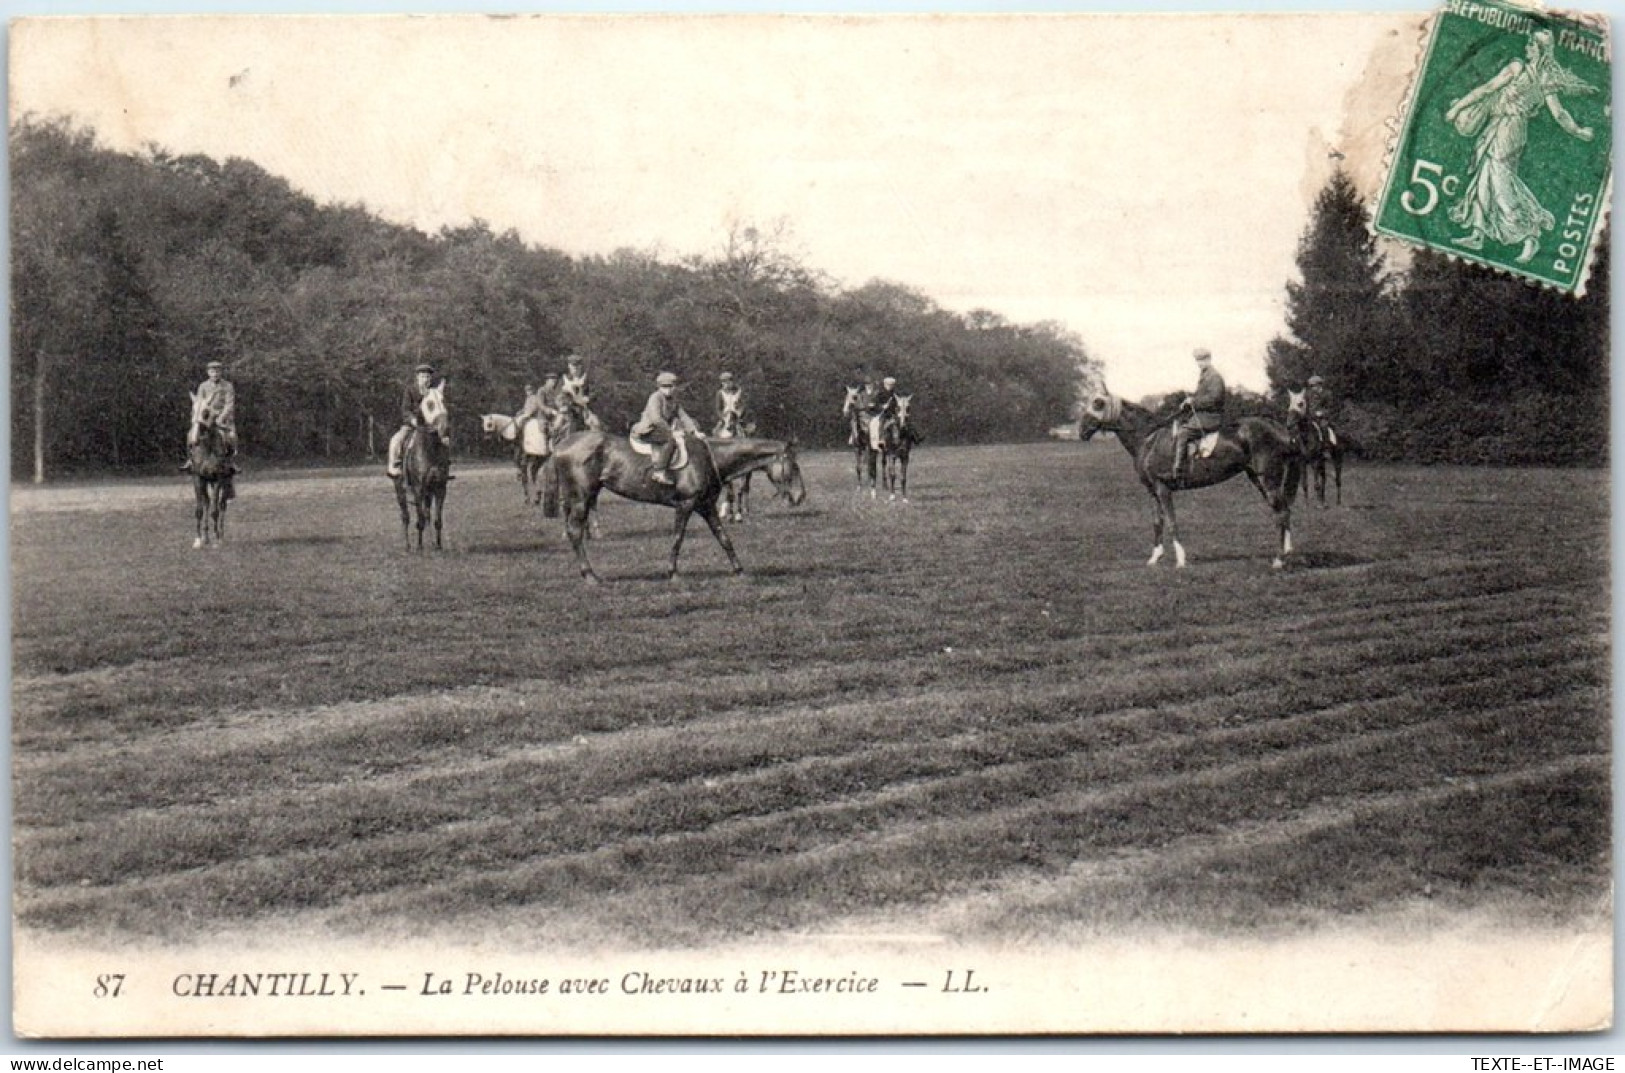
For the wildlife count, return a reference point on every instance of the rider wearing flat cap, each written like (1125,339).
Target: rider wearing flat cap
(424,378)
(730,400)
(1202,412)
(662,416)
(884,405)
(217,397)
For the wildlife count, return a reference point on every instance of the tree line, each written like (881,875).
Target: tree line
(1439,360)
(130,271)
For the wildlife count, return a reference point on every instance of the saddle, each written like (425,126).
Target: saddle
(679,457)
(533,436)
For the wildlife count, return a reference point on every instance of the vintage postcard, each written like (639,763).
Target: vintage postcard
(1173,598)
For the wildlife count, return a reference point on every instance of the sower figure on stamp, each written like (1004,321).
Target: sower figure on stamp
(423,379)
(1201,413)
(1497,204)
(217,398)
(662,416)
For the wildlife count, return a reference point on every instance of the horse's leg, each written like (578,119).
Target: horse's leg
(1337,474)
(679,528)
(578,505)
(1168,523)
(1320,478)
(200,502)
(406,512)
(903,475)
(1158,547)
(217,510)
(711,519)
(742,499)
(438,504)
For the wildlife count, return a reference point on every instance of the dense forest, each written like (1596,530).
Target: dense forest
(130,271)
(1444,361)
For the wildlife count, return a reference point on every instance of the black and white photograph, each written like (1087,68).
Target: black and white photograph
(809,525)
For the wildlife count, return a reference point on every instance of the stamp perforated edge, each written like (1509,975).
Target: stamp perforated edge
(1398,124)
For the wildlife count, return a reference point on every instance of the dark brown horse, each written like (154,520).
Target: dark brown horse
(1319,443)
(897,441)
(211,477)
(1256,446)
(589,462)
(425,471)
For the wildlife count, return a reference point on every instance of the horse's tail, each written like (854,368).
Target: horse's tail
(550,488)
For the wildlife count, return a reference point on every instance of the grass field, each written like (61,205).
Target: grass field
(976,715)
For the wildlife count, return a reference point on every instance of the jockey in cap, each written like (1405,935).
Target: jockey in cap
(884,405)
(730,400)
(1202,412)
(662,416)
(217,397)
(424,378)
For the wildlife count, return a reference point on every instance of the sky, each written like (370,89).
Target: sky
(1142,180)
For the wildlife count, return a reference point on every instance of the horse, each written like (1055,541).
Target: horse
(866,458)
(736,493)
(1257,446)
(425,470)
(212,486)
(897,440)
(589,462)
(1318,442)
(531,448)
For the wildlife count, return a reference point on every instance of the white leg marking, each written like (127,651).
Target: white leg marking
(1156,556)
(1179,554)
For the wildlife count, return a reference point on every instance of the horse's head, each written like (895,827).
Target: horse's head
(852,397)
(784,470)
(1100,414)
(499,424)
(1297,402)
(433,409)
(902,409)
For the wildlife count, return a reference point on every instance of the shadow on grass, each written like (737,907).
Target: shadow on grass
(1326,560)
(313,541)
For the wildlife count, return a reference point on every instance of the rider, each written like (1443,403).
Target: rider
(218,397)
(662,416)
(861,393)
(1318,404)
(424,378)
(884,405)
(730,400)
(1200,413)
(541,404)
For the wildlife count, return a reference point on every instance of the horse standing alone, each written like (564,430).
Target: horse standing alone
(1256,446)
(211,476)
(589,462)
(425,470)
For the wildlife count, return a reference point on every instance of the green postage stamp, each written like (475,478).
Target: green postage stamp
(1504,150)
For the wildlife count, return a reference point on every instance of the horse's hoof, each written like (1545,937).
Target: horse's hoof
(197,543)
(1278,564)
